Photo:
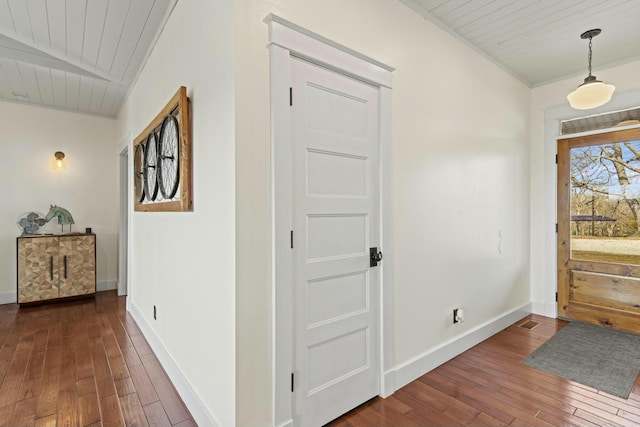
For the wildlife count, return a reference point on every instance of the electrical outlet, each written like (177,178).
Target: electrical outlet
(154,313)
(455,315)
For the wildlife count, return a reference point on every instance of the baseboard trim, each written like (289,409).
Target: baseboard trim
(106,285)
(288,423)
(8,297)
(420,365)
(547,309)
(202,416)
(389,386)
(538,307)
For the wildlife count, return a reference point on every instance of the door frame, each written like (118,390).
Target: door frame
(553,117)
(286,40)
(565,264)
(125,173)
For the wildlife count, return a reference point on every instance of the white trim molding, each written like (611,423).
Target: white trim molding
(429,360)
(287,40)
(8,297)
(106,285)
(196,406)
(315,48)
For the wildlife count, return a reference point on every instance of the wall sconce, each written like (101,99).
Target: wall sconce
(59,159)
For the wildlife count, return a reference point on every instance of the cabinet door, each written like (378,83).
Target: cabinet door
(37,269)
(77,265)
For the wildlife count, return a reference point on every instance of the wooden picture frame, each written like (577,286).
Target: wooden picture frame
(182,201)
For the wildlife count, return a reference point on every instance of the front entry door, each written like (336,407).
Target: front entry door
(335,122)
(599,229)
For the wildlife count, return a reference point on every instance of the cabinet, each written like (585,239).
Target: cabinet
(52,267)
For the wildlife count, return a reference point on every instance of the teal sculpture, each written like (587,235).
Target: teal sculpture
(63,215)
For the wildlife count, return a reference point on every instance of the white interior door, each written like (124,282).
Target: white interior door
(335,143)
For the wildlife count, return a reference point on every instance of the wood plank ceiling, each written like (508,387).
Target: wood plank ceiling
(78,55)
(539,40)
(82,55)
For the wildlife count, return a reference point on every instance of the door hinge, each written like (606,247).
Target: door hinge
(556,297)
(291,239)
(292,381)
(556,159)
(556,227)
(290,96)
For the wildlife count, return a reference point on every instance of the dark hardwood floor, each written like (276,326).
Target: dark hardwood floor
(86,363)
(82,363)
(488,386)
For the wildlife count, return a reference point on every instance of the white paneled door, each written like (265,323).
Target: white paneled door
(336,205)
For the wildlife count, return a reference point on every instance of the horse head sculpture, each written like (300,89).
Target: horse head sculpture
(63,215)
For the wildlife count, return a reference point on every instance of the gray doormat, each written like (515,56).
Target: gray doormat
(593,355)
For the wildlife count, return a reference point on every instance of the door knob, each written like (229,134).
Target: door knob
(374,257)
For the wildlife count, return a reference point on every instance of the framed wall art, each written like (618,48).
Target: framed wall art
(162,177)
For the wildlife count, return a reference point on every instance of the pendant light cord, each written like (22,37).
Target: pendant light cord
(590,56)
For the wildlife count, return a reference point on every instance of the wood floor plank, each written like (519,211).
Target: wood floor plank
(68,413)
(156,416)
(50,421)
(166,393)
(132,411)
(75,364)
(89,409)
(142,383)
(86,385)
(111,411)
(488,386)
(24,413)
(124,387)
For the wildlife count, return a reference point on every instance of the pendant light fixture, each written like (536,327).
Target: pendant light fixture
(593,92)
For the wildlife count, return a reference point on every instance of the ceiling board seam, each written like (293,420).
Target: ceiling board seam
(46,12)
(65,89)
(520,44)
(113,60)
(500,32)
(503,17)
(150,49)
(66,33)
(438,23)
(13,22)
(104,24)
(33,37)
(468,12)
(104,92)
(93,87)
(84,30)
(78,97)
(146,21)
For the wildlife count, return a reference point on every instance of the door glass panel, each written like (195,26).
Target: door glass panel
(605,203)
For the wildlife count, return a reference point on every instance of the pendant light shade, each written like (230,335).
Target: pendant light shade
(593,92)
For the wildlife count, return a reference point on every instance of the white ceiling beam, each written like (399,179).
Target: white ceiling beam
(12,47)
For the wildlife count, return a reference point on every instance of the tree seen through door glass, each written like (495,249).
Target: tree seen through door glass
(605,203)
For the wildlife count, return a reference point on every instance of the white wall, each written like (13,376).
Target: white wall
(183,263)
(552,99)
(86,187)
(460,174)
